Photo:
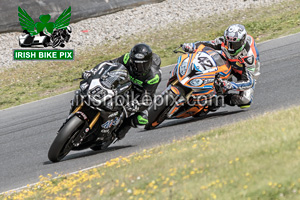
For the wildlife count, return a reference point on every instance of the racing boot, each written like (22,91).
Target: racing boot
(138,120)
(216,103)
(237,100)
(123,129)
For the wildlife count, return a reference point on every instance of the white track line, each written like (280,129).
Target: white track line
(32,184)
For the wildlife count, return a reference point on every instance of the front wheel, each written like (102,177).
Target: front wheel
(56,42)
(158,111)
(62,144)
(159,120)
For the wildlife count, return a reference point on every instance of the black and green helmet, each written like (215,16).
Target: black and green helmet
(140,59)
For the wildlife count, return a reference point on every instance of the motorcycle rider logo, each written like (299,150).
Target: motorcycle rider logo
(44,32)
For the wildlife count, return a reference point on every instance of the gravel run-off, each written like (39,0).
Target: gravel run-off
(114,27)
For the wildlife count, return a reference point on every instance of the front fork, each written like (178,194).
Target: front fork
(87,127)
(92,124)
(177,91)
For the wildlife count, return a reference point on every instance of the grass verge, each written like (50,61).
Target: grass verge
(253,159)
(32,81)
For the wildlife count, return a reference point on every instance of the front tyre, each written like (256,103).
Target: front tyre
(62,144)
(159,120)
(158,111)
(56,42)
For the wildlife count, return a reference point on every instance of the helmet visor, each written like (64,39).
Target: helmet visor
(235,45)
(141,67)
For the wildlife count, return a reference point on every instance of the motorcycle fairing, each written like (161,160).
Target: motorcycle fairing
(198,71)
(97,93)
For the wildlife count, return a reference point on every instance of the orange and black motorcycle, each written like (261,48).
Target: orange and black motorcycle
(194,88)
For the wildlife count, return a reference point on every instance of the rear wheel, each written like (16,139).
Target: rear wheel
(62,144)
(46,41)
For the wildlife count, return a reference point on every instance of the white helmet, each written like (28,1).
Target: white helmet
(69,29)
(235,39)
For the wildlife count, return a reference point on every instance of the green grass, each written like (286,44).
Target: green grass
(27,82)
(253,159)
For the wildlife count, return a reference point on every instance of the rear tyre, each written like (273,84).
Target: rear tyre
(62,144)
(46,41)
(23,45)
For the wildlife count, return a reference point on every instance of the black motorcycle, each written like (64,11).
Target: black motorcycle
(60,36)
(101,111)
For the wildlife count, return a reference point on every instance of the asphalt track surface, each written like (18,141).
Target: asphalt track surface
(27,131)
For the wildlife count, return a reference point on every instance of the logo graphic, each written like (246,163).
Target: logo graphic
(59,30)
(139,56)
(43,34)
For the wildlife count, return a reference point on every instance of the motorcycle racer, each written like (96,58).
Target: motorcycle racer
(240,50)
(144,70)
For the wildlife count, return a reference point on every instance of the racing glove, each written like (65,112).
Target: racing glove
(85,75)
(188,47)
(132,106)
(226,85)
(139,120)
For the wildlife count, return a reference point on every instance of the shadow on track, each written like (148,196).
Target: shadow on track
(89,153)
(175,122)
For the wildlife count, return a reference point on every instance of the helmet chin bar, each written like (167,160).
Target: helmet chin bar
(143,73)
(235,39)
(236,52)
(141,67)
(140,59)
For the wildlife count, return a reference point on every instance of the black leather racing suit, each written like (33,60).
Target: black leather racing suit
(143,85)
(143,88)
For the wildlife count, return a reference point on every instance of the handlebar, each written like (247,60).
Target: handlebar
(76,79)
(219,86)
(175,51)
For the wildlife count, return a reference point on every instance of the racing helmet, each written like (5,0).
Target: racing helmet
(69,29)
(140,59)
(235,39)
